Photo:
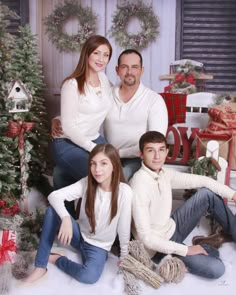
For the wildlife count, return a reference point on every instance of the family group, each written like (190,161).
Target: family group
(109,147)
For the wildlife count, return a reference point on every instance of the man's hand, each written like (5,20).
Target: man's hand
(196,249)
(234,198)
(65,233)
(56,129)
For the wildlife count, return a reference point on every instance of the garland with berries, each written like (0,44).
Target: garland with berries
(148,21)
(55,22)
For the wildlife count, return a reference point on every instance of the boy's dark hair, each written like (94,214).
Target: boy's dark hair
(129,51)
(151,136)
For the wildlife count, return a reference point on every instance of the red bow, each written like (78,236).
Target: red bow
(7,245)
(181,78)
(18,129)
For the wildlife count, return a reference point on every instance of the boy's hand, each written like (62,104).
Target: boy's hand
(196,249)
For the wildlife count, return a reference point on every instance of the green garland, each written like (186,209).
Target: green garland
(148,21)
(54,26)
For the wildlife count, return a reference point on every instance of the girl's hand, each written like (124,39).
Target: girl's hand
(65,233)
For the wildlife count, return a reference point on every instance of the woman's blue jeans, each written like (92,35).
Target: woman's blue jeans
(71,158)
(93,258)
(188,216)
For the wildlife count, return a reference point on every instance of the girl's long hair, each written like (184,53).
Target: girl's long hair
(81,69)
(117,177)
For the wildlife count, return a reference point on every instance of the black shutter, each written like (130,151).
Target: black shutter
(21,7)
(206,32)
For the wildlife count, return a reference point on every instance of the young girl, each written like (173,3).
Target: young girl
(85,102)
(105,212)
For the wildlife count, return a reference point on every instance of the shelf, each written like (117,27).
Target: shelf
(200,77)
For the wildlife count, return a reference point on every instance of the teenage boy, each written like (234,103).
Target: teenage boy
(163,232)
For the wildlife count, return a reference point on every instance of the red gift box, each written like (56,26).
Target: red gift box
(7,246)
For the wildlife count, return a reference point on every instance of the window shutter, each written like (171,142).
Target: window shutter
(206,32)
(21,7)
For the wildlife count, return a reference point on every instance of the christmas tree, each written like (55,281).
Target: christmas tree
(9,169)
(20,170)
(26,68)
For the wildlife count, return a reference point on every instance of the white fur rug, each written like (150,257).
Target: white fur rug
(111,282)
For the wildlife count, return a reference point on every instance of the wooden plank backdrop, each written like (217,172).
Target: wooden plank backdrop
(57,65)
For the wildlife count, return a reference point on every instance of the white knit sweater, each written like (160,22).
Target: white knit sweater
(126,122)
(152,205)
(83,115)
(105,232)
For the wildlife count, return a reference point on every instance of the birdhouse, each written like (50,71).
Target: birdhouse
(19,98)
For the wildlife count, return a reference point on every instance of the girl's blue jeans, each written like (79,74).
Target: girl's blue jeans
(72,159)
(93,258)
(188,216)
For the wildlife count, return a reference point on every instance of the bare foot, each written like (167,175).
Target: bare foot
(53,257)
(37,274)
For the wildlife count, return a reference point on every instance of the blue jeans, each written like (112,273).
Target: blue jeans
(188,216)
(93,258)
(130,166)
(61,178)
(71,158)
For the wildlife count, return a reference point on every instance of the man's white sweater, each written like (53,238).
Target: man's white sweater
(126,122)
(152,205)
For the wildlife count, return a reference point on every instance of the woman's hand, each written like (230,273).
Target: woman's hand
(65,233)
(56,129)
(195,250)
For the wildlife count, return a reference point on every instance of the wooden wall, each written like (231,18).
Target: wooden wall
(57,65)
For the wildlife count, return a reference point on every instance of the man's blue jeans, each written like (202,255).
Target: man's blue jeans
(93,258)
(71,158)
(188,216)
(61,178)
(130,166)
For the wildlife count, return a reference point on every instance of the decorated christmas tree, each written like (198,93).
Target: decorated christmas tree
(27,69)
(23,138)
(9,169)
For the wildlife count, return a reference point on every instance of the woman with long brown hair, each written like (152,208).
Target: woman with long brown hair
(85,102)
(105,212)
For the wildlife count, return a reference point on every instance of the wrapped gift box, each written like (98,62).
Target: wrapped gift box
(7,246)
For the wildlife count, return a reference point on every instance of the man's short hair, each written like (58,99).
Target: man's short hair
(129,51)
(151,136)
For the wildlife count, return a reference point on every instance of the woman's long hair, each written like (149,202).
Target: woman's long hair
(81,69)
(117,177)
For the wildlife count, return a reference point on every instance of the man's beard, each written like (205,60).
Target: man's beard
(130,82)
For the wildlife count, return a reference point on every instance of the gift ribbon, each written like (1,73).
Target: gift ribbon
(18,129)
(7,245)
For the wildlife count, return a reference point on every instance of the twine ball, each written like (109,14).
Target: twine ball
(172,269)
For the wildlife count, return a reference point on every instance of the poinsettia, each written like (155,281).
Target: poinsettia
(9,205)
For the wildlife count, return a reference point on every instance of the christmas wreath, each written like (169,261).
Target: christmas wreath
(54,26)
(148,21)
